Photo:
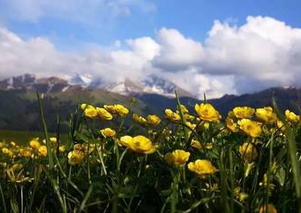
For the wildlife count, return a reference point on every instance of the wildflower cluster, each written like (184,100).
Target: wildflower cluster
(190,159)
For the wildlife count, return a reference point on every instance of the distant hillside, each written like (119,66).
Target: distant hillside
(286,98)
(19,108)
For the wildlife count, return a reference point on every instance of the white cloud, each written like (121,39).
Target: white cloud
(39,56)
(259,51)
(263,52)
(198,84)
(145,47)
(177,52)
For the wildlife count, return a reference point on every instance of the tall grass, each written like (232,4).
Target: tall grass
(151,165)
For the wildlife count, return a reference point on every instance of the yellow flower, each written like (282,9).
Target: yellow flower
(251,128)
(208,146)
(121,110)
(266,114)
(190,125)
(43,150)
(231,125)
(153,120)
(292,117)
(110,108)
(243,112)
(84,148)
(108,132)
(172,116)
(89,111)
(117,109)
(26,152)
(189,117)
(62,148)
(5,150)
(177,157)
(12,143)
(79,147)
(88,148)
(1,145)
(184,109)
(196,144)
(8,152)
(34,143)
(280,125)
(75,157)
(240,195)
(202,168)
(138,144)
(83,106)
(269,208)
(53,139)
(207,112)
(139,119)
(104,114)
(248,152)
(231,114)
(185,112)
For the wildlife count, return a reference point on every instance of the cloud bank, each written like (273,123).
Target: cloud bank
(261,53)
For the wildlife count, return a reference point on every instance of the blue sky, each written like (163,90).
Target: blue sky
(193,18)
(233,46)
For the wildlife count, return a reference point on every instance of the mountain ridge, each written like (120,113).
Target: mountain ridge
(153,84)
(19,108)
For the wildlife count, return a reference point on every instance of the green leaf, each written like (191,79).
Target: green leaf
(280,176)
(126,192)
(81,137)
(14,206)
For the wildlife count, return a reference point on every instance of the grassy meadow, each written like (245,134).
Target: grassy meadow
(186,161)
(23,137)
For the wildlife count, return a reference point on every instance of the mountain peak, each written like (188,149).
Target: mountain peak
(152,84)
(18,82)
(30,82)
(155,84)
(82,80)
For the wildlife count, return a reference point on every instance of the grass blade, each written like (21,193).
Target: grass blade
(292,149)
(48,143)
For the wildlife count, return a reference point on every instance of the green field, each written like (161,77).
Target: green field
(23,137)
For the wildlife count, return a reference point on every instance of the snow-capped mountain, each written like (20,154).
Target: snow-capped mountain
(155,84)
(82,80)
(42,85)
(151,85)
(19,82)
(126,87)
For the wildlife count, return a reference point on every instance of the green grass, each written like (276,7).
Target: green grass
(23,137)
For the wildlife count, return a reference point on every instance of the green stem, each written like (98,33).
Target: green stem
(101,160)
(48,143)
(174,192)
(22,198)
(144,160)
(182,116)
(3,199)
